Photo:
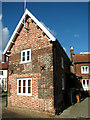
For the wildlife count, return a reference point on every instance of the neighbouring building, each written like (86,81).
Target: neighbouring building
(3,75)
(38,67)
(81,67)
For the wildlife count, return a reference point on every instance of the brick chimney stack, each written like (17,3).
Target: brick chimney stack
(3,58)
(71,53)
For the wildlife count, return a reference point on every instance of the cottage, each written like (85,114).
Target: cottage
(81,67)
(37,67)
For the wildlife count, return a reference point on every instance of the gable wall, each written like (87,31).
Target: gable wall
(42,81)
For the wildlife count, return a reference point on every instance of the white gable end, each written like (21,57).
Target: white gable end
(44,29)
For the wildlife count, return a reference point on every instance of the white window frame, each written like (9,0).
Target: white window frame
(62,62)
(86,86)
(63,86)
(84,72)
(24,94)
(1,71)
(26,61)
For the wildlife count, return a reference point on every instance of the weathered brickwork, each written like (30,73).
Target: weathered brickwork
(42,80)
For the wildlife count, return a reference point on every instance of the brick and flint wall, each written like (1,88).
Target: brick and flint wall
(42,80)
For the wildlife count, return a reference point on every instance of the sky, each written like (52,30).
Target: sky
(67,21)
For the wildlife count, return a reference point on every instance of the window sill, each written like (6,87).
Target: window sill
(84,73)
(24,94)
(25,62)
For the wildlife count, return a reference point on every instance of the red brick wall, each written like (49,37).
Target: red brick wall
(78,70)
(81,60)
(42,81)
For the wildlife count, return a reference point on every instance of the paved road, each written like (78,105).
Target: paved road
(79,110)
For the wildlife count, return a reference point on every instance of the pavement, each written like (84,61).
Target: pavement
(16,112)
(78,110)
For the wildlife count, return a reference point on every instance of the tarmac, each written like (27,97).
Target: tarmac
(78,110)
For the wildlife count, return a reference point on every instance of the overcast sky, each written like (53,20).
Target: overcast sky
(67,21)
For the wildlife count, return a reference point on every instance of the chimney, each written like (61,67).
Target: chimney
(71,53)
(3,58)
(72,59)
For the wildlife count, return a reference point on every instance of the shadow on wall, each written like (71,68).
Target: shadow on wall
(72,94)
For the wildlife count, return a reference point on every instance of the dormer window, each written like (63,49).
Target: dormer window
(84,69)
(25,55)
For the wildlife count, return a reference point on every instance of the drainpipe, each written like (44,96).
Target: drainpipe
(7,82)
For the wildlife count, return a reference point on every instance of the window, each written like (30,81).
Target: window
(62,62)
(62,83)
(26,56)
(86,84)
(1,72)
(24,86)
(84,69)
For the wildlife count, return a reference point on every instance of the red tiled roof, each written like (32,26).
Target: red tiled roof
(82,57)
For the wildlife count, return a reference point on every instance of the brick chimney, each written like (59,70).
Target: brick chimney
(72,59)
(71,53)
(3,58)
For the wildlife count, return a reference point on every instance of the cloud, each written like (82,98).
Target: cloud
(4,33)
(5,37)
(0,17)
(0,55)
(51,31)
(76,35)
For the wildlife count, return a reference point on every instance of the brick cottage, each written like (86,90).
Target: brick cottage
(81,67)
(37,67)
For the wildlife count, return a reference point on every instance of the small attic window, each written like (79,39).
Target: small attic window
(26,56)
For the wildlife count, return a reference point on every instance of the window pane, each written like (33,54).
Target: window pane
(23,59)
(86,69)
(83,69)
(24,89)
(87,82)
(29,82)
(19,89)
(19,82)
(24,82)
(28,55)
(62,83)
(23,54)
(28,58)
(28,52)
(1,72)
(29,89)
(83,82)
